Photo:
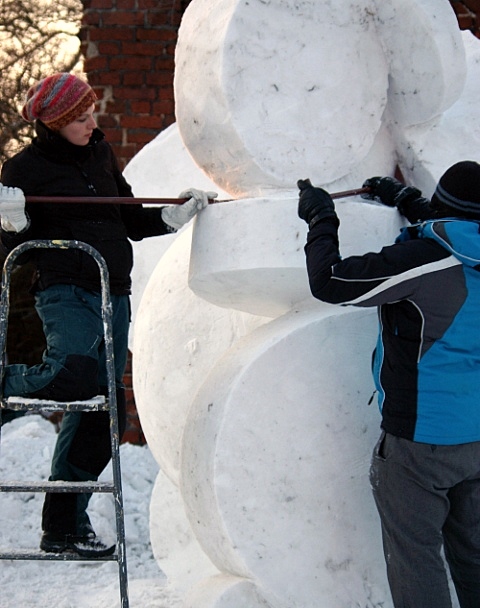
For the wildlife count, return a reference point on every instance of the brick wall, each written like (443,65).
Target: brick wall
(468,14)
(129,47)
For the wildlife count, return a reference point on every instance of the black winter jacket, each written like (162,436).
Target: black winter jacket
(52,166)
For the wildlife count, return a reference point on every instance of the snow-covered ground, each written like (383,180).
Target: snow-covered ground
(25,454)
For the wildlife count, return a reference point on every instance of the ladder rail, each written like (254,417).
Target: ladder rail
(112,396)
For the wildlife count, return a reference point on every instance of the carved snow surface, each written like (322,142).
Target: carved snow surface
(252,395)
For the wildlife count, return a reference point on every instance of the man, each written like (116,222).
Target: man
(425,470)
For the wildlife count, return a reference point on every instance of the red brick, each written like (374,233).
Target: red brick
(142,122)
(473,5)
(126,4)
(95,63)
(150,4)
(112,33)
(92,18)
(159,78)
(465,22)
(119,18)
(116,106)
(166,93)
(163,106)
(135,93)
(113,136)
(167,34)
(147,33)
(141,107)
(162,73)
(133,78)
(142,48)
(158,18)
(130,63)
(165,63)
(107,121)
(108,48)
(101,4)
(104,78)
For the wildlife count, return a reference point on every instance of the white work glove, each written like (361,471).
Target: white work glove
(177,216)
(12,209)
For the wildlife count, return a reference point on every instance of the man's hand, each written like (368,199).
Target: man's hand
(314,204)
(177,216)
(389,191)
(12,209)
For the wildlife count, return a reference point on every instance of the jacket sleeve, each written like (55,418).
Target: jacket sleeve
(372,279)
(143,222)
(416,210)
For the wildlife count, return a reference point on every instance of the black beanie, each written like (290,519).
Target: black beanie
(459,188)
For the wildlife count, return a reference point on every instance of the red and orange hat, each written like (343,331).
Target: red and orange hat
(58,100)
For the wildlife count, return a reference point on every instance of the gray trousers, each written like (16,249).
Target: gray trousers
(428,498)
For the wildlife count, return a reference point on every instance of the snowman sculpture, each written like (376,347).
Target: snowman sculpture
(254,397)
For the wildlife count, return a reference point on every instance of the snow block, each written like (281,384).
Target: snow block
(224,591)
(426,60)
(263,88)
(173,543)
(249,255)
(274,468)
(177,338)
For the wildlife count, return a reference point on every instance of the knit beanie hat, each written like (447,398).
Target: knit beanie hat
(459,188)
(58,100)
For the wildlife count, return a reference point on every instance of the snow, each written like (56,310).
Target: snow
(264,421)
(26,448)
(230,352)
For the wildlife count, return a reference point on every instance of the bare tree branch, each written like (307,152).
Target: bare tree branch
(37,38)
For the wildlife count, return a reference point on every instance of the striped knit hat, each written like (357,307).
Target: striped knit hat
(58,100)
(459,189)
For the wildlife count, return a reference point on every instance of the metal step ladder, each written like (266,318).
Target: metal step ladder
(99,403)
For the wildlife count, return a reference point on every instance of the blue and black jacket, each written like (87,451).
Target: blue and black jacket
(426,286)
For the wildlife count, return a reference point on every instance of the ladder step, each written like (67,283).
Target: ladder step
(37,554)
(57,486)
(95,404)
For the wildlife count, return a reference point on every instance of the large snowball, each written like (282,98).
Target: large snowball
(265,88)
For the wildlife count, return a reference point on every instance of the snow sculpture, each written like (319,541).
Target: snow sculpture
(252,395)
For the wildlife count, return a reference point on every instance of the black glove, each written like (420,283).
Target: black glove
(389,191)
(314,204)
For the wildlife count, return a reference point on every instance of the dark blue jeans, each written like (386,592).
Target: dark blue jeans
(73,368)
(428,497)
(73,364)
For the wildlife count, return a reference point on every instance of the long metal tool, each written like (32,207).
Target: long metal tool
(121,200)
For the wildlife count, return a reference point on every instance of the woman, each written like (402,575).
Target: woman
(70,157)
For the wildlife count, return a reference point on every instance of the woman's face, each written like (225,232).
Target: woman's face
(80,130)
